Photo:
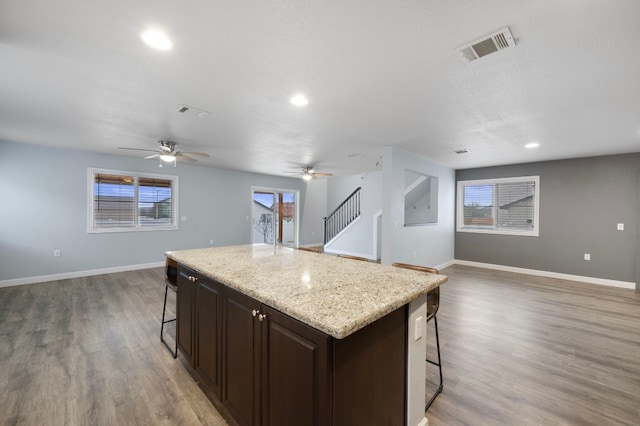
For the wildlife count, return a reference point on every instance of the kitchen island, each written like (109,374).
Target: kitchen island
(280,336)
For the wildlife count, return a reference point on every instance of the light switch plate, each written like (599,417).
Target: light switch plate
(621,227)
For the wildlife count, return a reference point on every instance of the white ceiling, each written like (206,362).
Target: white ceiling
(75,74)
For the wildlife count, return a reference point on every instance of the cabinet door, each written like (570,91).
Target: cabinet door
(185,312)
(208,331)
(240,352)
(295,372)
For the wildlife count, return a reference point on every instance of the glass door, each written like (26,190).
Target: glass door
(273,217)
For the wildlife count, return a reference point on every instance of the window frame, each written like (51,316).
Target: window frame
(91,229)
(461,227)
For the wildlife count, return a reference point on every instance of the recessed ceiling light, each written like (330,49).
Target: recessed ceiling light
(299,100)
(532,145)
(156,39)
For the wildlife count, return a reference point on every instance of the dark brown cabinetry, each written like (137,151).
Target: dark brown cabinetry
(208,360)
(240,390)
(269,369)
(294,372)
(275,368)
(185,312)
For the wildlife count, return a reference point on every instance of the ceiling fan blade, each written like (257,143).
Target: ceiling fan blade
(152,156)
(139,149)
(322,174)
(182,157)
(291,172)
(197,154)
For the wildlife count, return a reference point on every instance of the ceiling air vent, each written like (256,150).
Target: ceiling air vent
(187,110)
(500,40)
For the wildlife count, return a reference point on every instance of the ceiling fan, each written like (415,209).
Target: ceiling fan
(168,152)
(309,173)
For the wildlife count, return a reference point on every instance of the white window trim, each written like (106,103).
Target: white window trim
(91,172)
(535,232)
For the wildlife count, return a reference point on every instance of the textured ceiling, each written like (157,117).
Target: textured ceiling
(75,74)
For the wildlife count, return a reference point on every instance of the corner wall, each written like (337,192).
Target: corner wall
(433,243)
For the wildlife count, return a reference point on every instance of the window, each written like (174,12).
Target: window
(123,201)
(499,206)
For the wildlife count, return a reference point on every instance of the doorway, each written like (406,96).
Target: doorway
(274,217)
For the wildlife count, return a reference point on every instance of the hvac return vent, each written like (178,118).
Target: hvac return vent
(500,40)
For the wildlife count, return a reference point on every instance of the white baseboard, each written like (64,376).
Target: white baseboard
(445,265)
(569,277)
(78,274)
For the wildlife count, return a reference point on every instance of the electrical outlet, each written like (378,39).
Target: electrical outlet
(417,335)
(621,227)
(56,253)
(211,241)
(183,218)
(587,256)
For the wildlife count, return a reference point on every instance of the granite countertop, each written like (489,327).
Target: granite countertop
(334,295)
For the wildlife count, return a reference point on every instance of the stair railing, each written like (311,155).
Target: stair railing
(342,216)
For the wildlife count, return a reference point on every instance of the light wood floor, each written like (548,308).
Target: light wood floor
(524,350)
(87,351)
(517,350)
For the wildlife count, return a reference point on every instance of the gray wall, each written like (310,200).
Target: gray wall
(311,231)
(44,207)
(581,201)
(339,188)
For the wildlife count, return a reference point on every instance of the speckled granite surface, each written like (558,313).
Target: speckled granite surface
(337,296)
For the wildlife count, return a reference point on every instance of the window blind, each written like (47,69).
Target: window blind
(127,201)
(508,205)
(113,201)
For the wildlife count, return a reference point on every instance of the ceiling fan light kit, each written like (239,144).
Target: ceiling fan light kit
(309,173)
(168,152)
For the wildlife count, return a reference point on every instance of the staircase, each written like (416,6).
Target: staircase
(342,216)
